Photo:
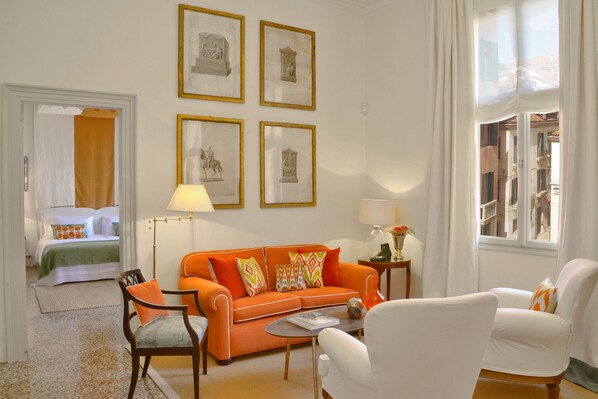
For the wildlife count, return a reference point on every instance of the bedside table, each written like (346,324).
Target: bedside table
(382,267)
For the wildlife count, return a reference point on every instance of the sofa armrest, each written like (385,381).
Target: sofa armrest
(358,278)
(217,303)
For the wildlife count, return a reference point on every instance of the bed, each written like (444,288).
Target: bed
(77,244)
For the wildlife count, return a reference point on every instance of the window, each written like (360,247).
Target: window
(517,65)
(499,208)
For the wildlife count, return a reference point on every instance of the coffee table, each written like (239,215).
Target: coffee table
(282,328)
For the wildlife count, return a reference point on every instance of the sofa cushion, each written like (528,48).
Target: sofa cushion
(263,305)
(312,264)
(330,274)
(289,277)
(225,273)
(325,296)
(280,255)
(252,276)
(196,263)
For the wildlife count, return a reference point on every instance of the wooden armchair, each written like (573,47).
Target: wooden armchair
(163,336)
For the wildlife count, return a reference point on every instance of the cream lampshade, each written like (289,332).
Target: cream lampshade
(190,198)
(377,213)
(186,198)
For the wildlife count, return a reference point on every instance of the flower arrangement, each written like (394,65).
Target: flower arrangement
(400,230)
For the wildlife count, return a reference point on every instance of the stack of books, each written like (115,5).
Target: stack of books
(312,320)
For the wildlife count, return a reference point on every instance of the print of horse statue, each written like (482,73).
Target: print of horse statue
(208,162)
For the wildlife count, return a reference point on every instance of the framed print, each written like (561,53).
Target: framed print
(287,165)
(211,54)
(287,66)
(210,152)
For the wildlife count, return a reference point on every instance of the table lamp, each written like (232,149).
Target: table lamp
(186,198)
(377,213)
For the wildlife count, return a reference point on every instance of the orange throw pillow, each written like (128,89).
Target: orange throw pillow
(148,292)
(226,273)
(330,273)
(544,298)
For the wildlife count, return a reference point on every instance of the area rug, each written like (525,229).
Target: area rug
(76,296)
(260,376)
(252,376)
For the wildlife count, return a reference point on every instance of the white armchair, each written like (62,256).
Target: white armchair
(416,349)
(533,347)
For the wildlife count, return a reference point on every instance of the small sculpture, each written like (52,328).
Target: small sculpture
(354,308)
(384,255)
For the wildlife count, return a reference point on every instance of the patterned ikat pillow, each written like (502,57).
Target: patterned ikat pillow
(69,231)
(544,298)
(312,264)
(252,276)
(289,277)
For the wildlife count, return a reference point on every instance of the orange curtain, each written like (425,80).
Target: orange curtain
(94,161)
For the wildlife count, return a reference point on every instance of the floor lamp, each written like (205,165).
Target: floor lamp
(186,198)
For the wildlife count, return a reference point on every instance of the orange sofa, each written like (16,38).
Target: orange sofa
(237,327)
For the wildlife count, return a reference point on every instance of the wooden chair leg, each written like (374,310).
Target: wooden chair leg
(204,354)
(554,388)
(134,375)
(146,365)
(195,357)
(325,394)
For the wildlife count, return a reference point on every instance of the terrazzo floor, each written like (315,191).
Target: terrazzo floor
(75,354)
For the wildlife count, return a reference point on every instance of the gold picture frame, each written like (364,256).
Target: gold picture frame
(211,55)
(287,165)
(210,152)
(287,66)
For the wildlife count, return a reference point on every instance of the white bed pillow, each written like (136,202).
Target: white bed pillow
(107,227)
(49,221)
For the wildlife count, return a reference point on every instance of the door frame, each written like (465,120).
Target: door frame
(13,325)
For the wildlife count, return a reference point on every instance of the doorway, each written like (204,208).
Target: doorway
(13,305)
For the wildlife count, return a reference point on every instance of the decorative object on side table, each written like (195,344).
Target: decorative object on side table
(373,298)
(398,234)
(354,308)
(377,213)
(384,255)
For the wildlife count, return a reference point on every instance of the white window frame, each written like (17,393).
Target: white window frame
(523,242)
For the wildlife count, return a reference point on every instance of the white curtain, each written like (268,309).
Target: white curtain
(53,163)
(450,265)
(578,234)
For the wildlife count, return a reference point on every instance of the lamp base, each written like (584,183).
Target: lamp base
(375,239)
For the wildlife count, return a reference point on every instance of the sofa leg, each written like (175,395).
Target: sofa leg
(224,362)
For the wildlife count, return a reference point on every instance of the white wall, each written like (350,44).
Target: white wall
(131,47)
(396,140)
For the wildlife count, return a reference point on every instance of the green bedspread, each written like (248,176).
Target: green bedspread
(78,253)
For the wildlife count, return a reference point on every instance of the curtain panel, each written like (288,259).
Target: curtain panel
(578,222)
(450,265)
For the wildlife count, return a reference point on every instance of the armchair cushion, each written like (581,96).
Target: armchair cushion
(148,292)
(169,331)
(544,298)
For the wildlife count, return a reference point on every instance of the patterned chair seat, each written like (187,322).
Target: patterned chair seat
(169,331)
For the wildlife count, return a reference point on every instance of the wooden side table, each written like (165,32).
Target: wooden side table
(381,267)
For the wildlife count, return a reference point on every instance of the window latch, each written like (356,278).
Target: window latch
(521,164)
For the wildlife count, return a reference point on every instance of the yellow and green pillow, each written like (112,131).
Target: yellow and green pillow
(252,276)
(312,264)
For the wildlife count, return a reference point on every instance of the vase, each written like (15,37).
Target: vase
(373,298)
(398,240)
